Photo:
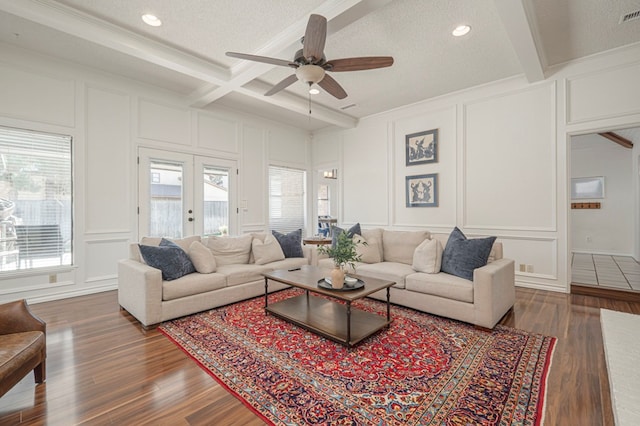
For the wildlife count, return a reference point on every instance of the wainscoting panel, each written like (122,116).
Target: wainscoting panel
(102,256)
(164,123)
(608,93)
(253,180)
(107,192)
(510,161)
(217,134)
(22,96)
(287,148)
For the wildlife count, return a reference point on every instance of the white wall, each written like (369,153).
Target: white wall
(606,230)
(109,118)
(503,162)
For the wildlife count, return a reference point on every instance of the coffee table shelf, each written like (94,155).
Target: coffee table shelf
(325,316)
(328,318)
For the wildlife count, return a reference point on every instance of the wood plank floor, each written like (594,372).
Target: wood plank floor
(103,368)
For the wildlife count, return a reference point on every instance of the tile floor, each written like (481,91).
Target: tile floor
(621,272)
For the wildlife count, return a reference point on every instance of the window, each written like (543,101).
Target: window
(323,201)
(286,199)
(35,200)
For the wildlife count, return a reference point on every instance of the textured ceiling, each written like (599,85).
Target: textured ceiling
(186,54)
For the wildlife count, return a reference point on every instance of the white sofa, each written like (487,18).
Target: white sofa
(151,300)
(482,302)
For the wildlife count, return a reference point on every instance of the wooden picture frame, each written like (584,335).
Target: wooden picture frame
(422,190)
(421,147)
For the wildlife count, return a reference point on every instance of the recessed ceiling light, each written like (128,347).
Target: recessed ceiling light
(151,20)
(314,91)
(461,30)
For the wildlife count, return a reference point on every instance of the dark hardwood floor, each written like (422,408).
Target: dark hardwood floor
(103,368)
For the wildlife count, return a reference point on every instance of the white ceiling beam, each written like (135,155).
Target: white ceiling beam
(520,32)
(339,14)
(78,24)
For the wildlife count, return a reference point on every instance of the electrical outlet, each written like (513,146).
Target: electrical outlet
(523,267)
(53,278)
(530,268)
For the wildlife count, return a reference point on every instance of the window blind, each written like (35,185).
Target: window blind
(35,199)
(286,199)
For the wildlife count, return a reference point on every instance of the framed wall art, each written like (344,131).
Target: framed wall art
(422,190)
(422,147)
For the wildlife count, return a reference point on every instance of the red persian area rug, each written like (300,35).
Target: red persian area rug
(422,370)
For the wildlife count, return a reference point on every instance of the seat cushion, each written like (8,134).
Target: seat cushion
(392,271)
(242,274)
(442,285)
(191,284)
(292,262)
(398,246)
(17,349)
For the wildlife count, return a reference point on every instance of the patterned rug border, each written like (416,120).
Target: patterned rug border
(545,372)
(216,378)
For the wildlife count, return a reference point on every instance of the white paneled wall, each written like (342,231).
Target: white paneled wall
(503,164)
(109,118)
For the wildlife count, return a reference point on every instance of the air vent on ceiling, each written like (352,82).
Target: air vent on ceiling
(631,16)
(347,107)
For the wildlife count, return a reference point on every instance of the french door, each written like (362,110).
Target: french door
(182,194)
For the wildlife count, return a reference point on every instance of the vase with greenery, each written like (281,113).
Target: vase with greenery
(343,253)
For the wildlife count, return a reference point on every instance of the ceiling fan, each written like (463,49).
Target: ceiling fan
(311,64)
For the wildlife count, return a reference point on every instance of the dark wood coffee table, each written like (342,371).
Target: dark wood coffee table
(328,318)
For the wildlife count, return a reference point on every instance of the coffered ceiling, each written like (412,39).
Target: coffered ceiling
(186,54)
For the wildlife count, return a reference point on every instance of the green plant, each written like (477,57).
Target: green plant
(344,252)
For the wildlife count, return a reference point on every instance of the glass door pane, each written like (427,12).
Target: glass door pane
(216,200)
(166,199)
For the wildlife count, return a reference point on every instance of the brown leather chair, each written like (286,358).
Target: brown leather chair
(22,345)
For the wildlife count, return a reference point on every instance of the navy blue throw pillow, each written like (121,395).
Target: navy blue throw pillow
(290,243)
(461,255)
(169,258)
(336,231)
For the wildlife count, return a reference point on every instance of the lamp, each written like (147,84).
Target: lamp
(331,174)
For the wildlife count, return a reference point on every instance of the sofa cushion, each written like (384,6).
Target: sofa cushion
(202,258)
(442,285)
(461,255)
(336,230)
(192,284)
(172,260)
(230,250)
(241,274)
(184,244)
(290,243)
(427,257)
(392,271)
(374,233)
(267,250)
(398,246)
(369,253)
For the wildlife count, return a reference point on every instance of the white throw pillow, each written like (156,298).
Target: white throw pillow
(371,252)
(427,257)
(202,258)
(267,251)
(231,250)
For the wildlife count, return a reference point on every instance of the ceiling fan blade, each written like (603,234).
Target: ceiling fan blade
(284,83)
(332,87)
(358,64)
(314,38)
(264,59)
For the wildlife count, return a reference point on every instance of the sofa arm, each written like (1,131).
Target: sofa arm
(494,291)
(140,291)
(15,317)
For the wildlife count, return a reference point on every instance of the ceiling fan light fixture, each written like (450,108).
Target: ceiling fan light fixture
(461,30)
(310,73)
(152,20)
(314,91)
